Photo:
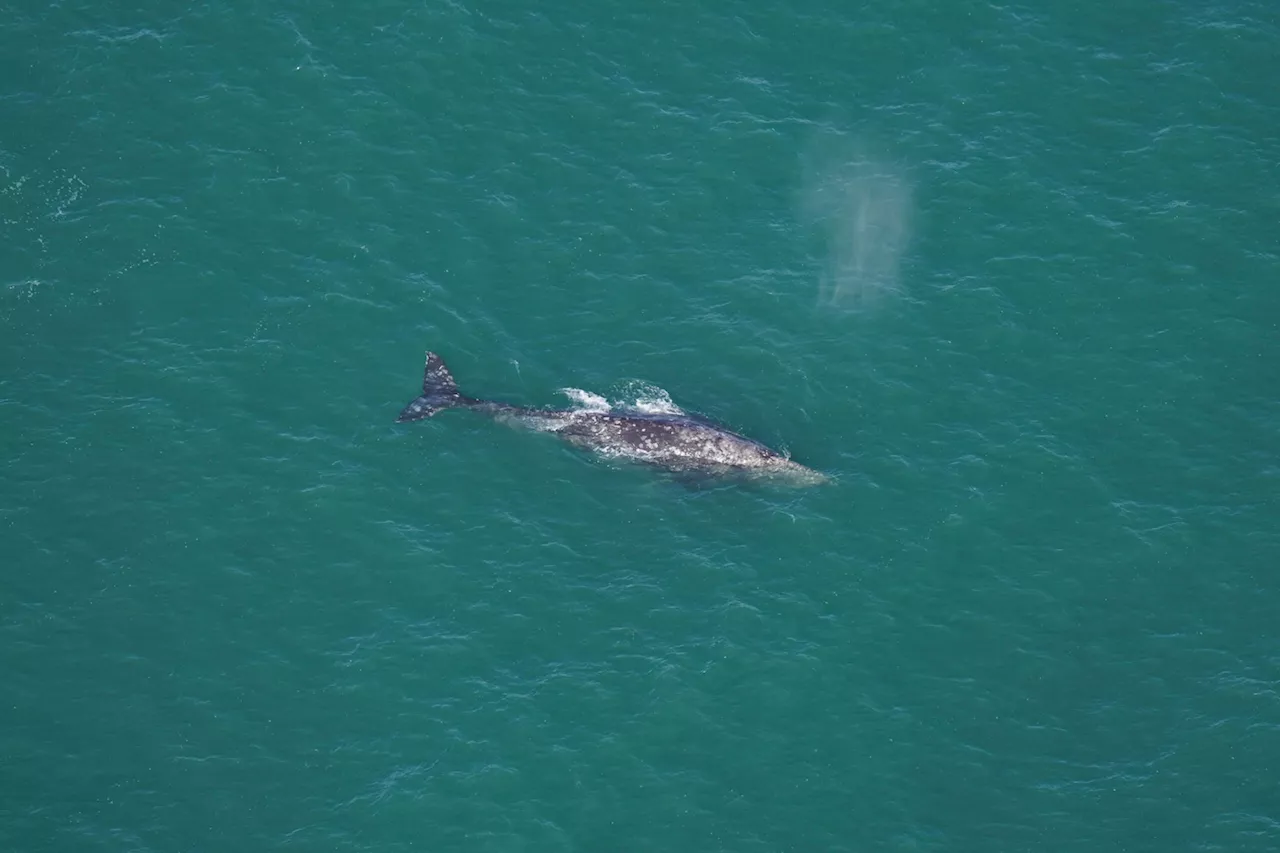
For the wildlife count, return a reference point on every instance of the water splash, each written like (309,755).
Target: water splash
(636,396)
(585,400)
(649,399)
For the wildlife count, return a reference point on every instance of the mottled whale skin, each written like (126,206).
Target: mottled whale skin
(676,442)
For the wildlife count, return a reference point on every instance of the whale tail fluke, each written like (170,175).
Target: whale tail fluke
(439,392)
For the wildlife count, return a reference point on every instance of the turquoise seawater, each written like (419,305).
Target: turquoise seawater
(1010,274)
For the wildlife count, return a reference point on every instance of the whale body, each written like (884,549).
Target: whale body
(676,441)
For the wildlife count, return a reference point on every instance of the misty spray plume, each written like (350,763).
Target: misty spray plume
(863,207)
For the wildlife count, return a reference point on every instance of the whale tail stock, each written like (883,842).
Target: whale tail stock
(439,392)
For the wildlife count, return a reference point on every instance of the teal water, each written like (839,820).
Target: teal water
(1009,274)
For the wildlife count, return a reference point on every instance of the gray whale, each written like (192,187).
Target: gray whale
(675,442)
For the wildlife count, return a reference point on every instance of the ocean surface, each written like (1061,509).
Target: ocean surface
(1009,274)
